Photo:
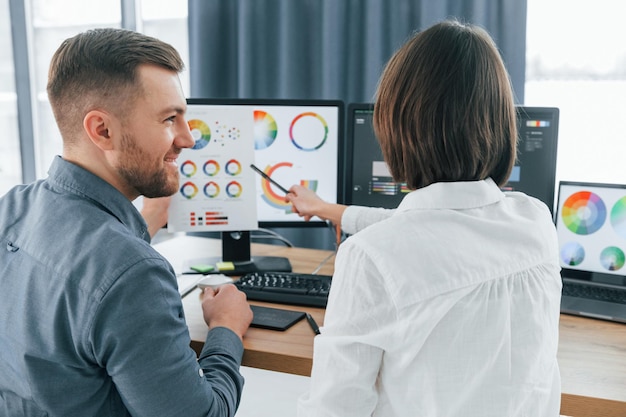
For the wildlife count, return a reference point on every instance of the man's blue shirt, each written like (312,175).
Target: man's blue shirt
(91,321)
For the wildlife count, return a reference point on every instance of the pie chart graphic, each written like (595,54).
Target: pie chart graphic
(572,254)
(233,189)
(308,131)
(612,258)
(265,130)
(188,169)
(211,167)
(211,189)
(584,212)
(200,132)
(189,190)
(233,167)
(618,217)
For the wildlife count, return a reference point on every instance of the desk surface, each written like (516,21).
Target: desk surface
(592,353)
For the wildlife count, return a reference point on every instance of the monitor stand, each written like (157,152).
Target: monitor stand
(236,249)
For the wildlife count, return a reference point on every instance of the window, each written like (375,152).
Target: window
(167,20)
(10,165)
(576,61)
(50,22)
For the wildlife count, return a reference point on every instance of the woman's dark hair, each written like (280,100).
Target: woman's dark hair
(444,108)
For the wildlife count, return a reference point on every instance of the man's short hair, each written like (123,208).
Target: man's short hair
(98,69)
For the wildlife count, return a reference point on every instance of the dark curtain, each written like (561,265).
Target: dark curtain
(327,49)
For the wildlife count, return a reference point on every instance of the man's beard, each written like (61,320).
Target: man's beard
(148,178)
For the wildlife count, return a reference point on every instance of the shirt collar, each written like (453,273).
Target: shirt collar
(453,195)
(76,180)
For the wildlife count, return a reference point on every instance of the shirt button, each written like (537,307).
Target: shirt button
(201,373)
(11,247)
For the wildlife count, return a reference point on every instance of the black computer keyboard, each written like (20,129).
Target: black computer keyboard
(286,288)
(594,292)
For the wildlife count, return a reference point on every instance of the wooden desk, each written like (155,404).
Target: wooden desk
(290,351)
(592,353)
(592,360)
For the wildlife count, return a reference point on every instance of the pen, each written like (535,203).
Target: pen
(312,323)
(267,177)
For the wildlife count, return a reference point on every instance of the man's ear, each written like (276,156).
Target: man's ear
(98,126)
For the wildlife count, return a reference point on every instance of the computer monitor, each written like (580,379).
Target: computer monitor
(295,142)
(534,172)
(369,183)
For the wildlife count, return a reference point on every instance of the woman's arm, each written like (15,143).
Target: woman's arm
(307,204)
(351,219)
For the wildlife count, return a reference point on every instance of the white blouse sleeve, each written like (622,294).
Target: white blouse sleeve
(356,218)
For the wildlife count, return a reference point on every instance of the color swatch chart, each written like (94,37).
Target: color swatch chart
(216,187)
(591,227)
(295,145)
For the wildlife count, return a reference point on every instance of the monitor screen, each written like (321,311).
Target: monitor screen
(534,172)
(295,142)
(369,183)
(265,146)
(591,228)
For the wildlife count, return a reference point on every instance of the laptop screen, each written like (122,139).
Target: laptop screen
(591,230)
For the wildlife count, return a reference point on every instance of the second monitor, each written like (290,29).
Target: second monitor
(369,183)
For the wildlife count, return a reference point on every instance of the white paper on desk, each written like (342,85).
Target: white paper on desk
(216,184)
(187,283)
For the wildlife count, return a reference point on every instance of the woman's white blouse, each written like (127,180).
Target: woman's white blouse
(448,307)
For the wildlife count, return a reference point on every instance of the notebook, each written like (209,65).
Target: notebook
(591,228)
(275,318)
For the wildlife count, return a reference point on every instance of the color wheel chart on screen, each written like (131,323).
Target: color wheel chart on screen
(216,192)
(294,145)
(591,227)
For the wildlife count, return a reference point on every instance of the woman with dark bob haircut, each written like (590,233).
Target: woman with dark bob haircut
(448,305)
(444,109)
